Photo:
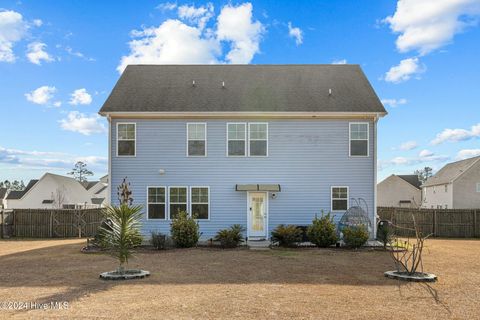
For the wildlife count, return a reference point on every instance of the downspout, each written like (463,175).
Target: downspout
(374,222)
(109,185)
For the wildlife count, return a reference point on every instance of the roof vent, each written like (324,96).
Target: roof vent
(329,92)
(193,83)
(223,84)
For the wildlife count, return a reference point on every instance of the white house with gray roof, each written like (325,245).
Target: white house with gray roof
(57,191)
(256,145)
(455,186)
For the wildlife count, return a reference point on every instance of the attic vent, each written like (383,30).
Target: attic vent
(193,83)
(329,92)
(223,84)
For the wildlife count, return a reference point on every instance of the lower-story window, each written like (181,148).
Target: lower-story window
(199,202)
(178,200)
(339,198)
(156,203)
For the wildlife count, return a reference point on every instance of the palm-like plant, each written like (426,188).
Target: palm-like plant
(121,233)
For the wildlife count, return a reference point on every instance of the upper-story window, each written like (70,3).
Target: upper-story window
(359,139)
(236,139)
(126,139)
(197,139)
(258,139)
(339,198)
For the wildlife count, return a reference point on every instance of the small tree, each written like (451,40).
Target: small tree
(121,231)
(424,174)
(184,230)
(80,172)
(410,259)
(59,197)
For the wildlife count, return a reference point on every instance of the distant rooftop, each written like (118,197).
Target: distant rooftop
(451,171)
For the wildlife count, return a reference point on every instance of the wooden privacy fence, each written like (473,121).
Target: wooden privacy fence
(451,223)
(51,223)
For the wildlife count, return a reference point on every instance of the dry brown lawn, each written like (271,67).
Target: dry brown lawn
(239,284)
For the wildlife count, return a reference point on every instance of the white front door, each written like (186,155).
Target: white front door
(257,214)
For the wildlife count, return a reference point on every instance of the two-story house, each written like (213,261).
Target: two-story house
(257,145)
(455,186)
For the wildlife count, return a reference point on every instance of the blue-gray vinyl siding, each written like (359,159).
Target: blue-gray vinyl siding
(306,157)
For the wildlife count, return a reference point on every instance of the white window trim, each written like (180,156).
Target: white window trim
(191,202)
(331,198)
(246,142)
(249,139)
(166,198)
(195,156)
(169,203)
(135,140)
(350,139)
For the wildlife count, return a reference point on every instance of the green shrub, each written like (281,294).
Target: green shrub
(159,240)
(355,237)
(322,232)
(184,230)
(231,237)
(286,235)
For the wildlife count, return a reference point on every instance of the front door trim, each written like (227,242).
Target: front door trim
(266,214)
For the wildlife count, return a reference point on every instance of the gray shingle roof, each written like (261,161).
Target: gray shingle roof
(248,88)
(412,179)
(451,171)
(89,184)
(14,195)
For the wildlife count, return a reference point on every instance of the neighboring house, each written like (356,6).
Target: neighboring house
(256,145)
(455,186)
(51,191)
(98,191)
(400,191)
(3,193)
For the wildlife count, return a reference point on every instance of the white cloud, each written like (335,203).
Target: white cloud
(295,33)
(80,96)
(37,22)
(425,156)
(427,25)
(340,61)
(196,15)
(455,135)
(79,122)
(191,42)
(172,42)
(394,102)
(41,95)
(166,6)
(57,104)
(235,25)
(468,153)
(48,159)
(404,71)
(409,145)
(12,30)
(78,54)
(36,53)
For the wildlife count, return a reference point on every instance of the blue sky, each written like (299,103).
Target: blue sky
(60,59)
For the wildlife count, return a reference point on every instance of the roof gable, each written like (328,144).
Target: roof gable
(411,179)
(243,88)
(451,172)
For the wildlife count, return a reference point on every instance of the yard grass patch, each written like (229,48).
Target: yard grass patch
(201,283)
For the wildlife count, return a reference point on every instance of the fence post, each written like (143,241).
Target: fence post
(475,223)
(434,221)
(50,225)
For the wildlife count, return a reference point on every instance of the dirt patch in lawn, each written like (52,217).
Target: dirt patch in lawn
(227,284)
